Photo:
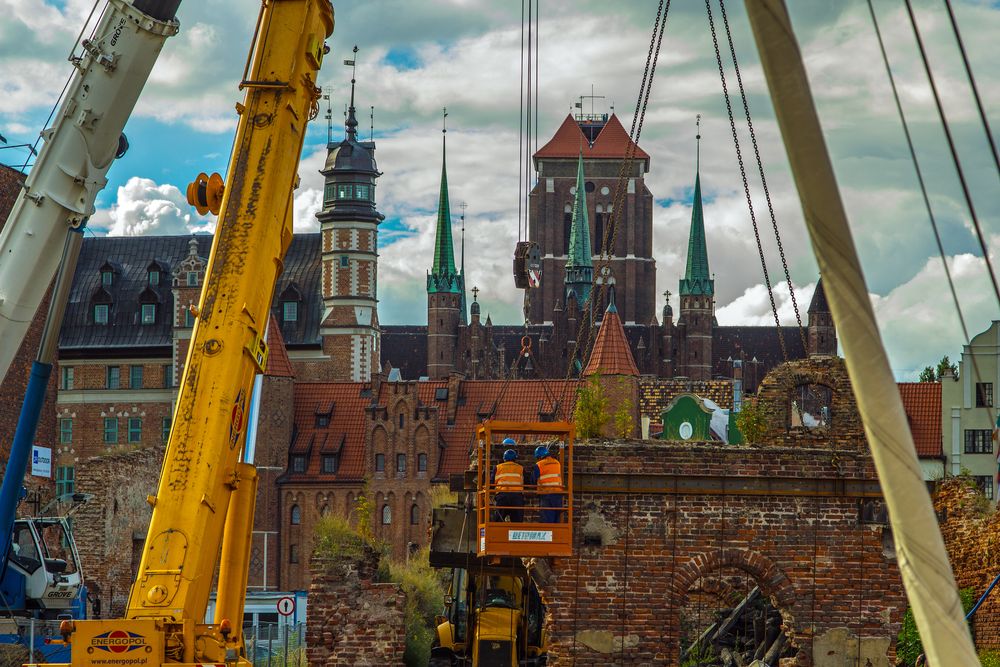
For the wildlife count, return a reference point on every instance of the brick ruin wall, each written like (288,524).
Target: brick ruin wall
(971,532)
(110,529)
(351,620)
(833,577)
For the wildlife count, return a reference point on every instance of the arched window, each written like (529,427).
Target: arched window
(386,515)
(810,406)
(567,225)
(296,515)
(414,514)
(421,463)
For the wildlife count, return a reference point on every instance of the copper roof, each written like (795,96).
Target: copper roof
(922,403)
(611,354)
(278,364)
(611,143)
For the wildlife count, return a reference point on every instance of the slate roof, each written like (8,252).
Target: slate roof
(130,258)
(818,303)
(405,347)
(612,142)
(345,403)
(749,342)
(922,403)
(611,354)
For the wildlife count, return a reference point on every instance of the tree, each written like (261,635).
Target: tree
(934,374)
(928,374)
(591,413)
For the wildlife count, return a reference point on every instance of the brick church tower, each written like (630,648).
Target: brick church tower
(822,335)
(697,296)
(591,148)
(349,231)
(445,289)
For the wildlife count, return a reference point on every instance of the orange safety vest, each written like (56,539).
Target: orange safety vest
(510,476)
(549,475)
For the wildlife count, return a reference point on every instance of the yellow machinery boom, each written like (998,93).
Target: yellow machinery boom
(205,498)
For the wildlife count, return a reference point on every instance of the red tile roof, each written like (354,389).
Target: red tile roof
(278,364)
(569,140)
(611,354)
(922,403)
(523,400)
(345,403)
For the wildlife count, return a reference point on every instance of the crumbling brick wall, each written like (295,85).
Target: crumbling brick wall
(971,532)
(352,620)
(798,515)
(110,529)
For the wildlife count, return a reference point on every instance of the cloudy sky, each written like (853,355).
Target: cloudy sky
(416,57)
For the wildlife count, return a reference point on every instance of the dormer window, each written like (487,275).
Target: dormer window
(101,313)
(192,278)
(148,302)
(154,277)
(149,313)
(290,311)
(107,277)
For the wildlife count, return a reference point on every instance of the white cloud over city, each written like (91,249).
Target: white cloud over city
(416,58)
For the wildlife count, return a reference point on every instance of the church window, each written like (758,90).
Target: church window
(421,463)
(343,192)
(101,313)
(386,515)
(296,517)
(290,311)
(599,230)
(414,514)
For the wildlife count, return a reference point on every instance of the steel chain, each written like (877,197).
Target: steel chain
(746,185)
(763,179)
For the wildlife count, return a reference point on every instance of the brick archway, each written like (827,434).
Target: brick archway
(771,579)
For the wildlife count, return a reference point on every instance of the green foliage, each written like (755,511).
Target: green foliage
(424,595)
(908,644)
(591,413)
(752,421)
(336,538)
(989,658)
(701,654)
(624,422)
(934,373)
(441,495)
(928,375)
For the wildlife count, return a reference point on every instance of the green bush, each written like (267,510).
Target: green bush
(751,420)
(908,645)
(336,538)
(424,595)
(989,658)
(591,412)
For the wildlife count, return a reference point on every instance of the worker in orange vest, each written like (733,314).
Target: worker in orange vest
(547,476)
(508,477)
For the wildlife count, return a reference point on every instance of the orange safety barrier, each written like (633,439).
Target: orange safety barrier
(529,536)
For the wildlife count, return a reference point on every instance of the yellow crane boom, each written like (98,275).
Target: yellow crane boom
(204,501)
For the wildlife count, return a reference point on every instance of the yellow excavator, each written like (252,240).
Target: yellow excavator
(204,503)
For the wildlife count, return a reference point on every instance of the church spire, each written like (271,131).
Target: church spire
(579,262)
(444,277)
(697,277)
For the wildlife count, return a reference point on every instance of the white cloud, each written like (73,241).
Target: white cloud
(145,208)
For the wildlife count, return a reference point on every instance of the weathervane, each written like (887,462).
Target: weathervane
(444,120)
(697,136)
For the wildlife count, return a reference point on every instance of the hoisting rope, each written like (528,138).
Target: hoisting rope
(611,229)
(760,170)
(746,186)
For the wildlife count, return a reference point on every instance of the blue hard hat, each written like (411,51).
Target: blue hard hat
(508,441)
(541,451)
(510,455)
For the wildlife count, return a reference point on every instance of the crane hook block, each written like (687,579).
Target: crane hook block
(205,193)
(527,265)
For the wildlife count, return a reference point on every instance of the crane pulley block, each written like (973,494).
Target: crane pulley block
(527,265)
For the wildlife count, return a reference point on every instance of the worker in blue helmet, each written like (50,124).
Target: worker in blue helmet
(546,474)
(508,479)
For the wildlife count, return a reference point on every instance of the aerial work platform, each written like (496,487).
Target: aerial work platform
(531,536)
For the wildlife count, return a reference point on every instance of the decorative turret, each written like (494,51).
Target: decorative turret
(611,354)
(349,228)
(697,293)
(579,263)
(822,335)
(445,285)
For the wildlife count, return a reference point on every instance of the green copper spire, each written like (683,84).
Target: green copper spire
(697,279)
(444,277)
(579,264)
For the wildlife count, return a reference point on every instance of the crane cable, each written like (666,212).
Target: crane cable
(610,231)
